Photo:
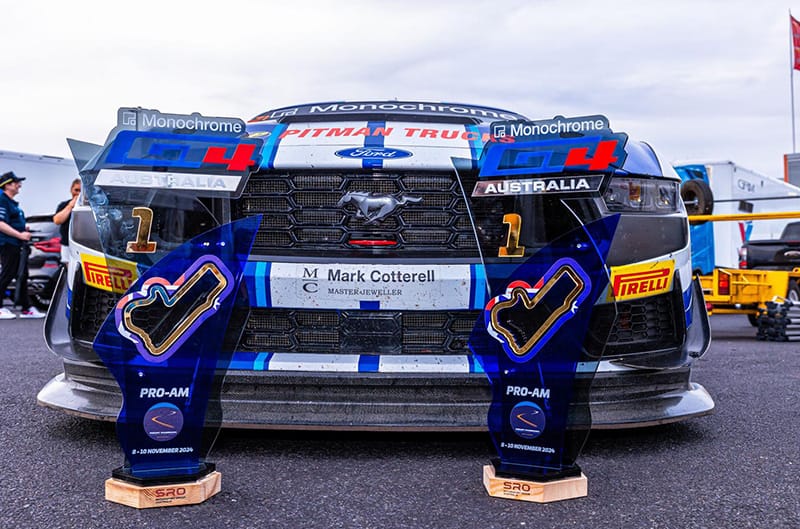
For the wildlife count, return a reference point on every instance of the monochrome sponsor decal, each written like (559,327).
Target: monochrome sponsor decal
(538,186)
(144,119)
(549,127)
(395,107)
(346,286)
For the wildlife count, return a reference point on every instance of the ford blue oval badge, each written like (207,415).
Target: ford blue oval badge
(375,153)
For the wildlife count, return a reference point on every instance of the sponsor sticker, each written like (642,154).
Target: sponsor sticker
(164,180)
(111,275)
(381,153)
(640,280)
(372,287)
(538,186)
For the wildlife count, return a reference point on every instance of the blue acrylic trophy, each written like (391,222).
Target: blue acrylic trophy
(164,341)
(546,269)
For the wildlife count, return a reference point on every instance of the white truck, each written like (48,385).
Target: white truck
(727,188)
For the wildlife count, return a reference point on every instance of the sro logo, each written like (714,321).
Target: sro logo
(171,492)
(512,486)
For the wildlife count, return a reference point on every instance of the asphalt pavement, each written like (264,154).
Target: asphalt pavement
(737,468)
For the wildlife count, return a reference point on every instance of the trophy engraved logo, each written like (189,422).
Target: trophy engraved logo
(161,316)
(527,420)
(523,318)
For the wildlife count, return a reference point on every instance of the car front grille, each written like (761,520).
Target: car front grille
(358,332)
(641,325)
(301,213)
(93,305)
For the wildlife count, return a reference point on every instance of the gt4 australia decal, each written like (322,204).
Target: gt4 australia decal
(524,318)
(161,316)
(540,148)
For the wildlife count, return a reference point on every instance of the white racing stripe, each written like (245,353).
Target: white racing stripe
(429,145)
(423,364)
(342,363)
(313,362)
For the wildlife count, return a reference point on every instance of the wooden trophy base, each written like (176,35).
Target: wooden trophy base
(171,495)
(535,491)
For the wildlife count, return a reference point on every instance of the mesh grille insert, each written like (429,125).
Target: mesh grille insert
(319,213)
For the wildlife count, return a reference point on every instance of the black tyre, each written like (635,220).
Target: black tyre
(697,197)
(793,293)
(753,319)
(40,301)
(41,297)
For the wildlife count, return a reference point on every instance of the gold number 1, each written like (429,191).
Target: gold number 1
(142,244)
(512,248)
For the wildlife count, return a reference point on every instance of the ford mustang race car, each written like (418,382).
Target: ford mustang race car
(366,276)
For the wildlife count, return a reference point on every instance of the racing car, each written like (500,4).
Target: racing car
(367,273)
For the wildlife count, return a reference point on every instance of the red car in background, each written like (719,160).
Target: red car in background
(44,261)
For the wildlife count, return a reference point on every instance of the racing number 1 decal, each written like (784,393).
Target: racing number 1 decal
(512,248)
(142,244)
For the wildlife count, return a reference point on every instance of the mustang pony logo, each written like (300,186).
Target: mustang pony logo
(523,319)
(161,316)
(375,207)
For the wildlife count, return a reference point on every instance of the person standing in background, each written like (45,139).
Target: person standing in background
(63,216)
(13,233)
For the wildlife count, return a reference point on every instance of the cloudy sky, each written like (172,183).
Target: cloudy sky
(697,79)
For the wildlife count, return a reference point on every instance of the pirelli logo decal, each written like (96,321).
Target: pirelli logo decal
(111,275)
(641,280)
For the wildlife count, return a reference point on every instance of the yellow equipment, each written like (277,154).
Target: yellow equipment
(739,291)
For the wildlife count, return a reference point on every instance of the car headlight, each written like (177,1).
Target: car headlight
(645,195)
